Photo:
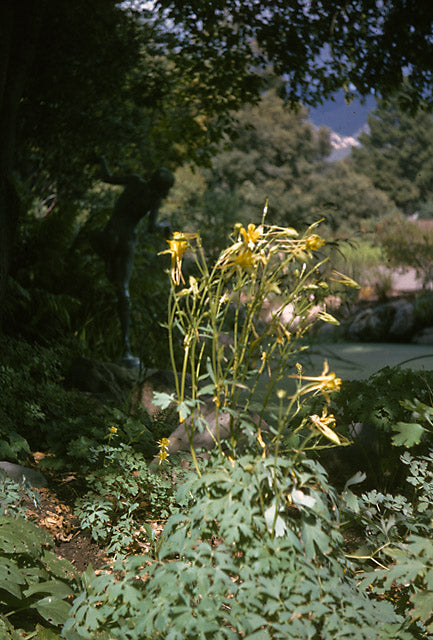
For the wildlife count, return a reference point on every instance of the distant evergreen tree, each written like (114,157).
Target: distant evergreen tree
(397,155)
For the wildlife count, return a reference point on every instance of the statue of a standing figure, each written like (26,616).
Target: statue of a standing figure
(116,242)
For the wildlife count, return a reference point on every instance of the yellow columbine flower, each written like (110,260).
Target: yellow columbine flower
(327,317)
(193,285)
(163,453)
(325,425)
(314,242)
(238,256)
(244,259)
(261,442)
(113,430)
(325,383)
(251,235)
(177,247)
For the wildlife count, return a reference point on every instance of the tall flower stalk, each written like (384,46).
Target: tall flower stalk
(237,338)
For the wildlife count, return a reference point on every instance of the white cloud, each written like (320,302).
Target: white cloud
(341,146)
(343,142)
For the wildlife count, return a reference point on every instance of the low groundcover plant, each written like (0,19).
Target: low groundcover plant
(240,564)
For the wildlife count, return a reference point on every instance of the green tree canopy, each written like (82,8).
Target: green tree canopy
(152,85)
(319,46)
(344,198)
(274,148)
(276,155)
(397,154)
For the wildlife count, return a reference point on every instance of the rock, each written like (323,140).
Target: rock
(385,322)
(370,324)
(403,321)
(204,439)
(163,382)
(327,332)
(106,379)
(17,472)
(158,380)
(425,336)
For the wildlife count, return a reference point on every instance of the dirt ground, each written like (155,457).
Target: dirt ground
(54,513)
(71,543)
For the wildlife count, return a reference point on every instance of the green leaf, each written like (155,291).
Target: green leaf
(313,535)
(357,478)
(210,370)
(423,601)
(20,536)
(11,576)
(184,410)
(207,390)
(53,610)
(163,400)
(53,587)
(253,621)
(47,634)
(261,634)
(7,632)
(59,567)
(408,434)
(351,500)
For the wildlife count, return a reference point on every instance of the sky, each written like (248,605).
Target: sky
(346,120)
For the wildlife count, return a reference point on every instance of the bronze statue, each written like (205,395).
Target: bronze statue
(116,242)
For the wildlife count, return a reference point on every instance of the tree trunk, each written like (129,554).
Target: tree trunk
(19,27)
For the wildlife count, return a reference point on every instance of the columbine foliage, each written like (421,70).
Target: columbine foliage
(14,495)
(397,540)
(123,493)
(241,564)
(34,582)
(258,552)
(393,403)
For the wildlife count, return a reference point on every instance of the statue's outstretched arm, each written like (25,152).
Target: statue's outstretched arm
(109,177)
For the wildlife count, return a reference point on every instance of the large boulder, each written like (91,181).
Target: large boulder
(156,380)
(370,324)
(19,473)
(392,321)
(424,336)
(403,322)
(106,380)
(205,437)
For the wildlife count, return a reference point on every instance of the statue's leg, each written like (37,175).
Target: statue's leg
(123,270)
(100,243)
(124,311)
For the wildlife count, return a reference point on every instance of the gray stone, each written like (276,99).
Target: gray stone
(104,379)
(394,320)
(17,472)
(403,321)
(371,324)
(204,438)
(425,336)
(159,380)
